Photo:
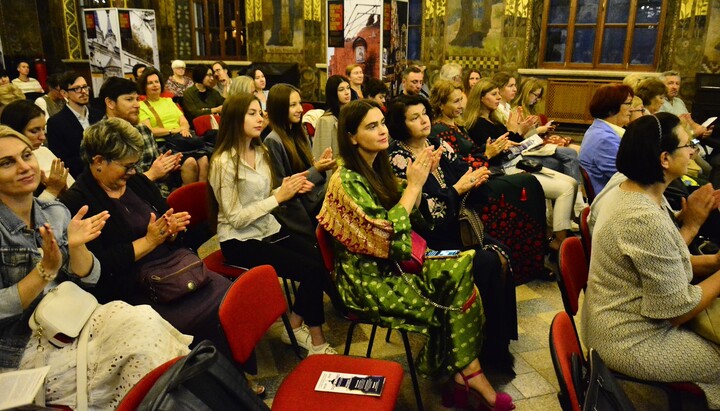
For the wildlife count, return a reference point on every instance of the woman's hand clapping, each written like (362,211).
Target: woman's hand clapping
(497,146)
(296,183)
(418,170)
(56,182)
(326,161)
(472,179)
(82,230)
(52,258)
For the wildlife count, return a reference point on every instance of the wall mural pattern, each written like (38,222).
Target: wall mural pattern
(72,31)
(183,36)
(711,57)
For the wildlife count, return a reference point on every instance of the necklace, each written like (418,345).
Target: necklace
(437,173)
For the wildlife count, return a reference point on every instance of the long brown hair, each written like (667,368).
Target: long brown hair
(292,135)
(380,176)
(232,135)
(475,106)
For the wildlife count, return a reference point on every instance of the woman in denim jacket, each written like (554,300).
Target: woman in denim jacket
(41,246)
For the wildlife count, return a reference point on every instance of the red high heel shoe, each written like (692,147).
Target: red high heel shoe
(462,396)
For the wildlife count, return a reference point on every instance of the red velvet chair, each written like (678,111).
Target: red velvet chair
(573,278)
(137,393)
(589,190)
(193,198)
(585,232)
(202,124)
(563,345)
(252,304)
(328,254)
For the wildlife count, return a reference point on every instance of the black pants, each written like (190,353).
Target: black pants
(291,258)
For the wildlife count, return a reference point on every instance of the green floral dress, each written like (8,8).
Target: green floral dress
(369,239)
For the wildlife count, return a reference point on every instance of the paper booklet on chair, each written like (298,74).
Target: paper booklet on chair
(350,383)
(526,145)
(23,389)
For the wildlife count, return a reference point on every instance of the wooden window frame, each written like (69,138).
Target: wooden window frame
(240,29)
(600,26)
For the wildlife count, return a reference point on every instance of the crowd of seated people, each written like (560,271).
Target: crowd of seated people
(378,169)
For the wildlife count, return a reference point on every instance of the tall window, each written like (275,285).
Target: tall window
(218,28)
(602,34)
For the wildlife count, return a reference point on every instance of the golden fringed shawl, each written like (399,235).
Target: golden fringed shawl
(346,221)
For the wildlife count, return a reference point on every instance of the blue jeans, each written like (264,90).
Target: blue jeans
(565,160)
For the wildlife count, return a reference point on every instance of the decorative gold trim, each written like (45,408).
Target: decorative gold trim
(72,31)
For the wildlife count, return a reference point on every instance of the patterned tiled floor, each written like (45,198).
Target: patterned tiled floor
(534,386)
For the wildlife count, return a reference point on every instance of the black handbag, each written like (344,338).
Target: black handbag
(531,166)
(203,380)
(604,392)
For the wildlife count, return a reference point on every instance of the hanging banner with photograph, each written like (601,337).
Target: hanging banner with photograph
(336,23)
(362,38)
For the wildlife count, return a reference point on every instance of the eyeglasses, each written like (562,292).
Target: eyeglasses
(537,95)
(80,89)
(129,168)
(627,103)
(635,110)
(692,144)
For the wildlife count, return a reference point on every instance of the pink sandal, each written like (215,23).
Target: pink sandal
(462,396)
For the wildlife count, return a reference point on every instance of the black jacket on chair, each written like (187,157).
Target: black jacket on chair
(65,133)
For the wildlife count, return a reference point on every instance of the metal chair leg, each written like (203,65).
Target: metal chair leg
(387,337)
(287,293)
(348,340)
(411,367)
(372,340)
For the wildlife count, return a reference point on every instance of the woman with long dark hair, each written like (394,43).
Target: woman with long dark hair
(337,94)
(245,193)
(290,153)
(370,215)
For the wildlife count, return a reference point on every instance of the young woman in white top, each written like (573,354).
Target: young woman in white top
(259,77)
(29,120)
(245,194)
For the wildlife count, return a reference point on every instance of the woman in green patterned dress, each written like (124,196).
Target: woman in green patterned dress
(370,214)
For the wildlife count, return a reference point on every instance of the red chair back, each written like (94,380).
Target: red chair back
(192,198)
(563,344)
(326,248)
(573,273)
(585,232)
(251,305)
(202,124)
(134,397)
(589,190)
(307,107)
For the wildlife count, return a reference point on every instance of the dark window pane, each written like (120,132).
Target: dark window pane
(613,45)
(587,11)
(617,11)
(559,11)
(584,45)
(414,40)
(648,11)
(230,35)
(415,13)
(555,50)
(643,47)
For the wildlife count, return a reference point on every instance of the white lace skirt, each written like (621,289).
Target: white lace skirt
(126,342)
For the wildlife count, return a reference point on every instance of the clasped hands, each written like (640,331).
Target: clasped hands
(326,161)
(295,184)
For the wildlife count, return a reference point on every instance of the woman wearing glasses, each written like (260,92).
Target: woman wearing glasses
(643,282)
(141,230)
(610,106)
(201,98)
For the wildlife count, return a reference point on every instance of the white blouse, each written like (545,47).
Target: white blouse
(245,197)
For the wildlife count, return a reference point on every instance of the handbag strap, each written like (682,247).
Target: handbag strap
(466,306)
(154,113)
(475,221)
(82,395)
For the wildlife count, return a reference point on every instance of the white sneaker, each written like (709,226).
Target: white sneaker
(321,349)
(302,335)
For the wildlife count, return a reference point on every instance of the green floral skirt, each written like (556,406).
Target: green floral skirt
(372,288)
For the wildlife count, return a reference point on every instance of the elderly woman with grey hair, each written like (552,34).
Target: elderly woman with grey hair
(141,229)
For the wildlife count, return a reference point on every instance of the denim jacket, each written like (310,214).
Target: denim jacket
(19,253)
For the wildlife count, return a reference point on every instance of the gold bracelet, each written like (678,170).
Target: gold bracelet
(44,274)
